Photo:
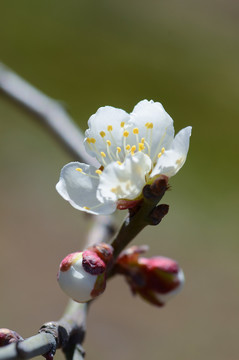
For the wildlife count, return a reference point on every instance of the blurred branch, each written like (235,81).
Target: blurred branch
(48,111)
(68,333)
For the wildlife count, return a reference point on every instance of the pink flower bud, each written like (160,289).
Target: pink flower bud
(8,337)
(155,279)
(82,275)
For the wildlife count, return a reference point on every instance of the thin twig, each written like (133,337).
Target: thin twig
(49,111)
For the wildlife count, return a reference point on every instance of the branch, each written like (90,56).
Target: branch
(148,213)
(67,333)
(50,113)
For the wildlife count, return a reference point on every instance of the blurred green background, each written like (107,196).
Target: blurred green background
(88,54)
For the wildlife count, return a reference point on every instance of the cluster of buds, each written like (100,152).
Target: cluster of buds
(155,279)
(82,275)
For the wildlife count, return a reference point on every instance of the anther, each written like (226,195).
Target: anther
(135,131)
(92,140)
(125,133)
(159,155)
(103,154)
(141,146)
(162,150)
(109,127)
(108,142)
(122,124)
(119,162)
(118,149)
(150,126)
(102,134)
(127,147)
(142,140)
(133,149)
(86,208)
(99,172)
(79,169)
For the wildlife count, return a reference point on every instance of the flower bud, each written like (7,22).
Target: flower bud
(155,279)
(82,275)
(8,337)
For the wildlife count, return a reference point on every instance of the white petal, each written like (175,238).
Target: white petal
(124,181)
(163,131)
(80,189)
(76,282)
(172,160)
(104,117)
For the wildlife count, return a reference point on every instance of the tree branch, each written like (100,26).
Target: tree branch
(67,333)
(50,113)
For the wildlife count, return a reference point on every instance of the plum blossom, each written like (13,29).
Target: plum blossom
(132,150)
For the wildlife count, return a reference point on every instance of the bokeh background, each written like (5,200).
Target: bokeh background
(87,54)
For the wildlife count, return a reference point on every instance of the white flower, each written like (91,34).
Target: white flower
(132,150)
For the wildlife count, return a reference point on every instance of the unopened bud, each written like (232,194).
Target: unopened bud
(8,337)
(82,275)
(155,279)
(158,213)
(157,189)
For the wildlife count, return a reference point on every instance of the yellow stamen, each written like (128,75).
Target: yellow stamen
(159,155)
(99,172)
(133,149)
(141,146)
(103,154)
(109,127)
(135,131)
(118,149)
(119,162)
(108,142)
(122,124)
(102,134)
(149,125)
(92,140)
(142,140)
(127,147)
(113,190)
(88,140)
(162,150)
(79,169)
(125,133)
(86,208)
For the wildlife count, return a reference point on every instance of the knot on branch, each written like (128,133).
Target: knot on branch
(60,334)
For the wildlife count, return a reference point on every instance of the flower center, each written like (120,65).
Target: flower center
(131,143)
